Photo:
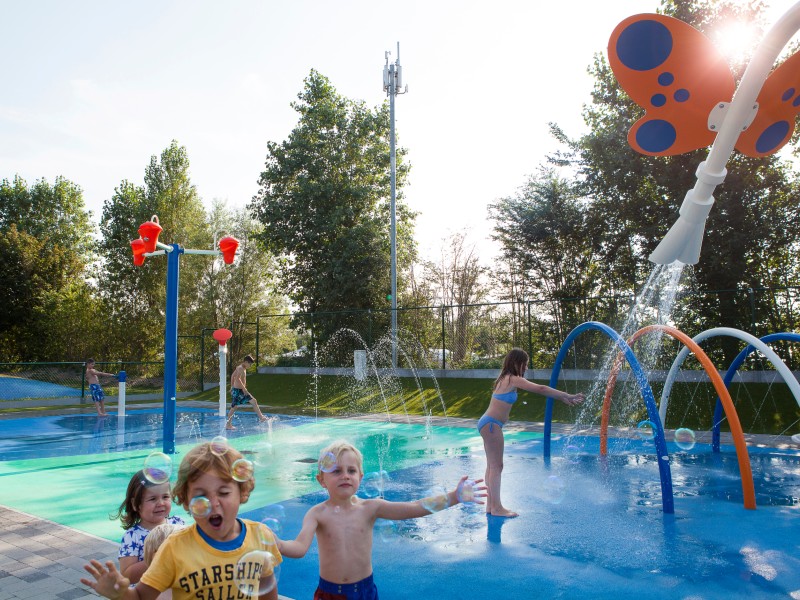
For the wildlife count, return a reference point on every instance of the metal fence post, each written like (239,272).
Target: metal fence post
(258,337)
(530,332)
(444,345)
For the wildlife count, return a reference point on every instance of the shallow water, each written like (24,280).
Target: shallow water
(589,527)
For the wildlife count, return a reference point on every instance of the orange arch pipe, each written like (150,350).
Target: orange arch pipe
(742,455)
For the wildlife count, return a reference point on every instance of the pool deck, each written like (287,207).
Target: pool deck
(40,559)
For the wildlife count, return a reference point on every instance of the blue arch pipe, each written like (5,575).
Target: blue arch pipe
(667,500)
(719,411)
(171,349)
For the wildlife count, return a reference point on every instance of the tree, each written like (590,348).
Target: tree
(324,204)
(46,251)
(634,198)
(550,249)
(236,295)
(458,279)
(135,297)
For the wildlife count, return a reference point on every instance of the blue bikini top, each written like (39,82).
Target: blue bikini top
(508,397)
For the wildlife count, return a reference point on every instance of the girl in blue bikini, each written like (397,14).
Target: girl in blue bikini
(490,425)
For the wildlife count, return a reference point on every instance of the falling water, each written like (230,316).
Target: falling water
(654,304)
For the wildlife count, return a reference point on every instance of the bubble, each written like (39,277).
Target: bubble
(684,438)
(466,492)
(256,573)
(435,499)
(796,438)
(200,507)
(646,430)
(219,445)
(555,489)
(274,524)
(267,538)
(572,453)
(275,511)
(374,484)
(157,467)
(385,530)
(327,462)
(242,470)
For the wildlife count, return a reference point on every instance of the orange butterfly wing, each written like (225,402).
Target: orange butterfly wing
(778,105)
(676,74)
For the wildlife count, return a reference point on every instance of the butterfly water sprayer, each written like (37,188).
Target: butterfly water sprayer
(685,86)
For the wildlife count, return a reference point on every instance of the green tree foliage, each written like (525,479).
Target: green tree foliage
(234,296)
(45,255)
(550,252)
(135,297)
(753,228)
(324,204)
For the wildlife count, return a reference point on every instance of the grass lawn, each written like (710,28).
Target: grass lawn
(762,408)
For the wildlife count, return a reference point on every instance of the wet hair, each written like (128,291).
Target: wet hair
(128,511)
(337,448)
(249,359)
(515,363)
(89,361)
(203,459)
(155,538)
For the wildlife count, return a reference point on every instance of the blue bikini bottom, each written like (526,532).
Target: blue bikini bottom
(491,421)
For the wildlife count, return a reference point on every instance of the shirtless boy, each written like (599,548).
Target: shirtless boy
(93,379)
(343,524)
(239,394)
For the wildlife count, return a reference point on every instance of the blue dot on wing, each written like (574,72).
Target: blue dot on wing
(787,94)
(772,136)
(658,100)
(666,78)
(681,95)
(656,135)
(644,45)
(796,102)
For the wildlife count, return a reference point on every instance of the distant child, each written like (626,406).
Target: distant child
(146,506)
(239,394)
(214,558)
(151,546)
(92,378)
(343,524)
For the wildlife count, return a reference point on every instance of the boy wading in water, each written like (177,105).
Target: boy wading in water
(239,394)
(93,379)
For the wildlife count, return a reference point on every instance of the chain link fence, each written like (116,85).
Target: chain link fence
(66,381)
(475,336)
(478,336)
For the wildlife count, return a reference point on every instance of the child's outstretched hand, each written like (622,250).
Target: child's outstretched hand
(108,581)
(468,491)
(574,399)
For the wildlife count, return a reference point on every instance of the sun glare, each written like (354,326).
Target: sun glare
(735,41)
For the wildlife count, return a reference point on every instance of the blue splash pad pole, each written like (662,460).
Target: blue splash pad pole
(665,473)
(171,348)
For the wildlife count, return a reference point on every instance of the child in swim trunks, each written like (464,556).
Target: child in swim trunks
(345,559)
(92,378)
(239,394)
(490,425)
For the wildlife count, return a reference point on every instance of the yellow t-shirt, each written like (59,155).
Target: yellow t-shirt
(191,568)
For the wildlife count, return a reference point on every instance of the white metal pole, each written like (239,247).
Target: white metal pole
(223,363)
(684,240)
(121,394)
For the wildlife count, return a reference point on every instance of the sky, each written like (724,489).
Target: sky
(92,89)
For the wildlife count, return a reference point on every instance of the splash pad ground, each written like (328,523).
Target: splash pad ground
(589,526)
